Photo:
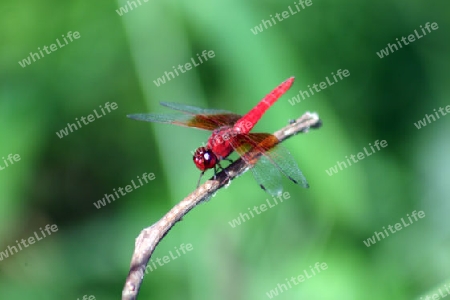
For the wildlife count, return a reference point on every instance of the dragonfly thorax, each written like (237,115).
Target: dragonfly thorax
(219,141)
(205,158)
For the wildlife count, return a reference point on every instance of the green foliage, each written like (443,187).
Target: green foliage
(118,58)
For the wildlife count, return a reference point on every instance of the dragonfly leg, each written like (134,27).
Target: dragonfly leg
(229,160)
(223,169)
(218,168)
(201,175)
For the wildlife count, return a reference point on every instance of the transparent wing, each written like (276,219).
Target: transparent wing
(267,176)
(269,159)
(193,110)
(178,119)
(207,119)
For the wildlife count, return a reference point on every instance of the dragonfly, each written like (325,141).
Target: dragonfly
(262,152)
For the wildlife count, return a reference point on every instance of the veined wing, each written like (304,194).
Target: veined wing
(219,116)
(194,110)
(177,119)
(207,119)
(267,176)
(269,145)
(269,159)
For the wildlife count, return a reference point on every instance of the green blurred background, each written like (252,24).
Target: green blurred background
(117,58)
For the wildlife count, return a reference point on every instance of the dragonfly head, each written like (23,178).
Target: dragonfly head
(205,159)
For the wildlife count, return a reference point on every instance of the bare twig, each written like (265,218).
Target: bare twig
(149,237)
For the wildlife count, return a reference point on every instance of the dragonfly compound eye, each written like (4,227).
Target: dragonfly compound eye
(204,159)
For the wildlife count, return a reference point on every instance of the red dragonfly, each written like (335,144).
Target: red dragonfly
(231,132)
